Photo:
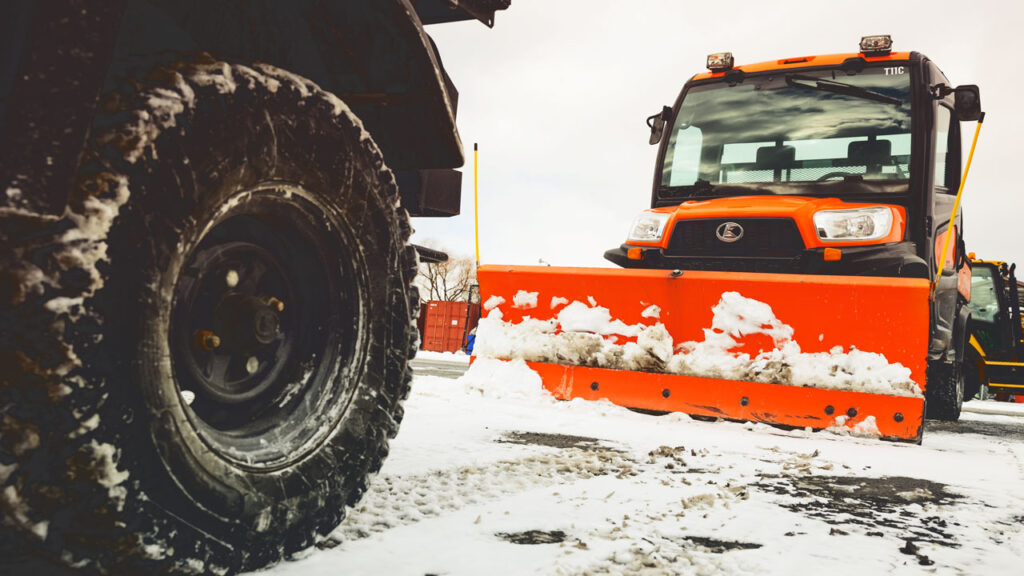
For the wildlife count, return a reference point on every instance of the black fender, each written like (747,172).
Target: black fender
(54,57)
(961,333)
(58,56)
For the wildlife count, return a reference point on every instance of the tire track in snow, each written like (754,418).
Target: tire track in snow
(895,508)
(656,554)
(1006,434)
(393,501)
(1008,529)
(653,537)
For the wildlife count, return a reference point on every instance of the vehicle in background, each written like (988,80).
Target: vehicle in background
(995,358)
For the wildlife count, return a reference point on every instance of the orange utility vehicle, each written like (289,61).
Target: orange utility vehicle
(995,352)
(800,207)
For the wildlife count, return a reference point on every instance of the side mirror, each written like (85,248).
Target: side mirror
(968,102)
(657,124)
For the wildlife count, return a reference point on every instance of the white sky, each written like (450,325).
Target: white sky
(557,93)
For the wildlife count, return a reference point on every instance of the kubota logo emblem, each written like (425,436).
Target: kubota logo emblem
(729,232)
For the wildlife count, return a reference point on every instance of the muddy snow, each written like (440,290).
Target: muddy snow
(490,475)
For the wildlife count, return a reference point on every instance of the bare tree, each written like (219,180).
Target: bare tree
(450,280)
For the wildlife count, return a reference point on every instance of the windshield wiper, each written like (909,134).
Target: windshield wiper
(706,188)
(796,80)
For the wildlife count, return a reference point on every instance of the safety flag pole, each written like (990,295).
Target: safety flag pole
(476,211)
(956,203)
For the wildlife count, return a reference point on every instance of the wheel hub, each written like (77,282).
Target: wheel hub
(246,323)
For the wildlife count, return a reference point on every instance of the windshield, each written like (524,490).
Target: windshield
(984,304)
(795,127)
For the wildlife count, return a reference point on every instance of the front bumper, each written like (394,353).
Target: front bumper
(898,259)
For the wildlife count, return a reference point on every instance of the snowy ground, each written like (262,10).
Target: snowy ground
(443,364)
(450,357)
(490,476)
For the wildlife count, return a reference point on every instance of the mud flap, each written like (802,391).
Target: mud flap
(830,318)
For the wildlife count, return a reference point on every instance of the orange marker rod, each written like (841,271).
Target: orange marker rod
(956,203)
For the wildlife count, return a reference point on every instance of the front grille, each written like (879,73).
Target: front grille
(773,265)
(762,237)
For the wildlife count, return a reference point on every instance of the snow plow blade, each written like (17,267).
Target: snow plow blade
(804,351)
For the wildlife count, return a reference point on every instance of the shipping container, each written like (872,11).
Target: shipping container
(445,324)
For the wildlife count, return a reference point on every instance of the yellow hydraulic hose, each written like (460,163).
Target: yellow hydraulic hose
(476,211)
(956,203)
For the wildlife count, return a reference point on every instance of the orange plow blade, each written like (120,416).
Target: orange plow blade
(785,349)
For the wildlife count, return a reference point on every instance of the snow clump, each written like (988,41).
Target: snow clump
(525,300)
(493,302)
(652,311)
(866,428)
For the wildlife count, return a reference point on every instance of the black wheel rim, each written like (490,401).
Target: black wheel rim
(265,327)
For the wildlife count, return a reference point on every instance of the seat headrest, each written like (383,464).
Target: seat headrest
(775,157)
(868,152)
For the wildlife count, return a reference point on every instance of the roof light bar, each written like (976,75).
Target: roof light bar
(720,61)
(876,45)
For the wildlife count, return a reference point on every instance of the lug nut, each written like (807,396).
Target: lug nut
(276,304)
(206,339)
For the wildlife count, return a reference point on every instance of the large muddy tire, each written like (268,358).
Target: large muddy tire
(204,359)
(944,391)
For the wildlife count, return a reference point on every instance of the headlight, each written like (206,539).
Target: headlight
(648,227)
(853,225)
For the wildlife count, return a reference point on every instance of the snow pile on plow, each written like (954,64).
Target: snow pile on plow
(586,334)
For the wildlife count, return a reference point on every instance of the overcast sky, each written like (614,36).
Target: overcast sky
(557,93)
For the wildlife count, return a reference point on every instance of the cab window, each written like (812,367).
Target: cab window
(947,146)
